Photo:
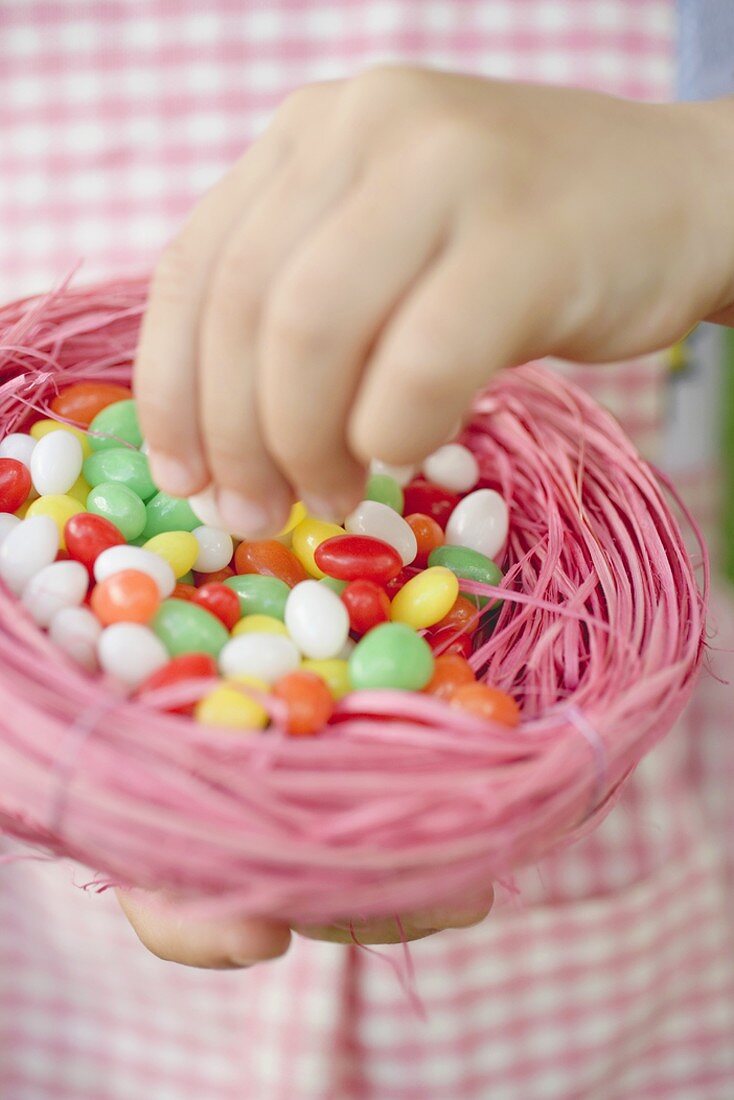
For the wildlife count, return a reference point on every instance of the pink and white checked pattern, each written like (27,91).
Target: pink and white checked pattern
(613,979)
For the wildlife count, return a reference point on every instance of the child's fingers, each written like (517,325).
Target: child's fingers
(322,319)
(166,360)
(411,926)
(472,312)
(254,496)
(166,930)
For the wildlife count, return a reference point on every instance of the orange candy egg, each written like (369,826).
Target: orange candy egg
(82,401)
(464,615)
(428,535)
(184,592)
(269,558)
(126,597)
(309,702)
(487,702)
(450,672)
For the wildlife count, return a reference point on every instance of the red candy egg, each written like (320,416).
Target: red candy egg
(428,534)
(82,401)
(217,577)
(220,601)
(87,535)
(358,557)
(15,484)
(429,500)
(188,666)
(309,702)
(367,603)
(125,597)
(269,558)
(448,641)
(393,586)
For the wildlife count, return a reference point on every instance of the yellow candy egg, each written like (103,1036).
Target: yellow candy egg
(298,514)
(80,490)
(426,598)
(259,624)
(60,507)
(333,671)
(229,707)
(43,427)
(179,548)
(307,537)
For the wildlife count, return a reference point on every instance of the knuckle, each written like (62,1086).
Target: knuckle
(301,102)
(293,322)
(426,374)
(172,277)
(234,288)
(229,451)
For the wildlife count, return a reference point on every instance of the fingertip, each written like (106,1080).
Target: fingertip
(258,940)
(246,517)
(179,477)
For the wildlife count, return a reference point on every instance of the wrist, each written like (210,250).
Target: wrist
(710,155)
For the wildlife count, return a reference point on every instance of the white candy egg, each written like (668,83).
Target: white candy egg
(58,585)
(370,517)
(401,474)
(7,522)
(56,463)
(453,467)
(76,631)
(215,549)
(480,522)
(26,549)
(266,656)
(316,619)
(130,652)
(204,507)
(18,445)
(346,650)
(117,558)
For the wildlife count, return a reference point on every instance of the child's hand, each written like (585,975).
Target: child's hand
(394,239)
(228,944)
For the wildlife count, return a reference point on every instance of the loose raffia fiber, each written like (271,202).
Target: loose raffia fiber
(403,801)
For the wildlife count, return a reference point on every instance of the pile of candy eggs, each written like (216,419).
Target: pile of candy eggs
(152,591)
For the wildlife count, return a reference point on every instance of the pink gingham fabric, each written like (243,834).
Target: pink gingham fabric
(612,976)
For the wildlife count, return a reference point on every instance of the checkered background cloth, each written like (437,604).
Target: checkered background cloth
(612,976)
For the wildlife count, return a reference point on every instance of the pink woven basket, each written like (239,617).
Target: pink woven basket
(402,800)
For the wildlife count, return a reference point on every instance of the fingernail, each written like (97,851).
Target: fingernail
(173,476)
(242,516)
(332,511)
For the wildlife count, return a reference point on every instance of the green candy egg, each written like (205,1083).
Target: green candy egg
(334,584)
(123,465)
(114,423)
(184,627)
(468,565)
(260,595)
(164,513)
(385,490)
(120,506)
(188,578)
(391,655)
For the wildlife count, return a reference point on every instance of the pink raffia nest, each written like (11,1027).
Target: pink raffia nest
(403,800)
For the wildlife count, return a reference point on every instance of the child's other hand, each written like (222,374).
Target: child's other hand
(389,243)
(227,944)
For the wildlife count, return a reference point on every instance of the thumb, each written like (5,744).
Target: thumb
(164,926)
